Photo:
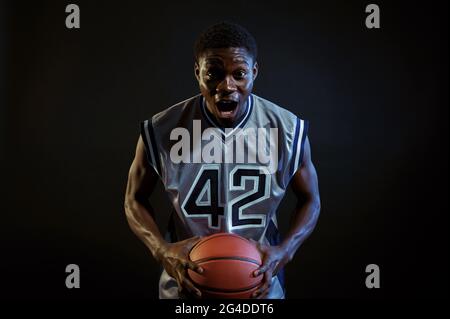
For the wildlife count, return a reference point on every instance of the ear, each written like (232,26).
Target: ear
(197,71)
(255,70)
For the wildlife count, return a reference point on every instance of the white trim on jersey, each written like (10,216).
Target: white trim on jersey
(249,106)
(206,190)
(299,145)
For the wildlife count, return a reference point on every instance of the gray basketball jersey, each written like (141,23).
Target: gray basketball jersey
(225,179)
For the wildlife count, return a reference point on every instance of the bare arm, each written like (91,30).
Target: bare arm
(174,257)
(305,215)
(140,215)
(304,219)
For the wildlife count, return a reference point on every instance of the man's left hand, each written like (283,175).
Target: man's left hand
(273,259)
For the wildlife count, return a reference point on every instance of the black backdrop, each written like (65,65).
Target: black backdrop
(71,102)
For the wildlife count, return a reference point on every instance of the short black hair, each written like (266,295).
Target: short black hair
(225,35)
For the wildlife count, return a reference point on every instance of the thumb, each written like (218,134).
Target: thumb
(192,242)
(266,262)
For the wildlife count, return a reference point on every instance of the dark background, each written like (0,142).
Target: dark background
(71,101)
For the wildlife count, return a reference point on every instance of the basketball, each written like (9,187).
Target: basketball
(228,263)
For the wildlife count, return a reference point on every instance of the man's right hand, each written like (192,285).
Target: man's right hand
(175,259)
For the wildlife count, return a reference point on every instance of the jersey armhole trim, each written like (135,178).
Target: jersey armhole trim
(151,150)
(301,131)
(302,145)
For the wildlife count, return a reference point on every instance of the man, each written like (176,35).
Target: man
(226,158)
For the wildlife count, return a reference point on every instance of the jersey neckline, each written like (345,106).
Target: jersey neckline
(227,131)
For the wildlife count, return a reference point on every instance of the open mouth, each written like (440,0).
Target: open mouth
(226,106)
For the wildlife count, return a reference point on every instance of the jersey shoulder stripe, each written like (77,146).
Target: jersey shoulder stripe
(148,137)
(301,131)
(164,121)
(292,126)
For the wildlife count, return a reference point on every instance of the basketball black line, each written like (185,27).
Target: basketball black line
(229,257)
(225,290)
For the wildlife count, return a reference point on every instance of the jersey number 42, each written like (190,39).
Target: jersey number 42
(203,197)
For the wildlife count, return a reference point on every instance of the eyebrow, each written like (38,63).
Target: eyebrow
(214,61)
(217,60)
(241,60)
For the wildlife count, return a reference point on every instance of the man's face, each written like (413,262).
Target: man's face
(225,77)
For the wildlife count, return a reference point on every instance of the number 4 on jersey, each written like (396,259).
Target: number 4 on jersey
(206,185)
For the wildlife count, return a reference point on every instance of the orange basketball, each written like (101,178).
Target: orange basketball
(228,263)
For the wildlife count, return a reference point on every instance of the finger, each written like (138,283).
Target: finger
(188,264)
(260,294)
(263,295)
(191,288)
(279,266)
(267,282)
(193,241)
(267,263)
(193,266)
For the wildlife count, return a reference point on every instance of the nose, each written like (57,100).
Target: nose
(227,85)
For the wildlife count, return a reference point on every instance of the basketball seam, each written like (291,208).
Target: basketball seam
(226,290)
(199,261)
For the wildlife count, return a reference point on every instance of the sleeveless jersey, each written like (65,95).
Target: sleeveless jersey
(224,180)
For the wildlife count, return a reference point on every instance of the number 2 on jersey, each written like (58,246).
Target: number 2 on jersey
(203,197)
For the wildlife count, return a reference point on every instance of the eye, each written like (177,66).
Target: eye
(240,74)
(213,74)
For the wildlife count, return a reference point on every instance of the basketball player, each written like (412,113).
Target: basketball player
(236,191)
